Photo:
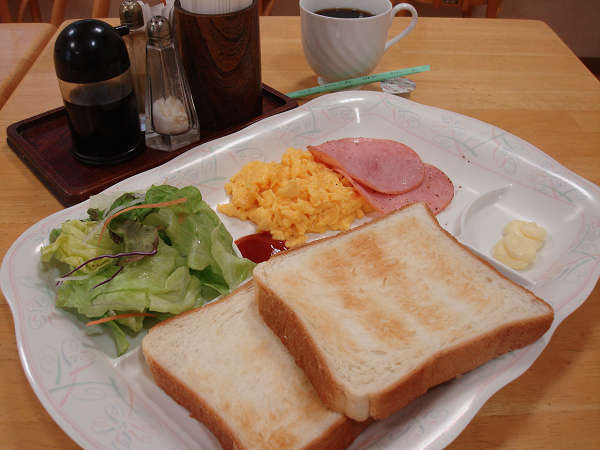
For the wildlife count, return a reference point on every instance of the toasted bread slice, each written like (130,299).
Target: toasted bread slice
(378,315)
(223,364)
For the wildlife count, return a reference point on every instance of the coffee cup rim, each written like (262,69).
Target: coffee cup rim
(374,16)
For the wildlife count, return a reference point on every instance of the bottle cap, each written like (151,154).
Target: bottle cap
(130,13)
(159,30)
(88,51)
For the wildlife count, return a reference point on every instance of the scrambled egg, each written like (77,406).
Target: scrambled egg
(293,197)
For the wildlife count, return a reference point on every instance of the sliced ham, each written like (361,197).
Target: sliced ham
(383,165)
(436,191)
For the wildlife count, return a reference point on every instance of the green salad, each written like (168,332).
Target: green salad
(149,255)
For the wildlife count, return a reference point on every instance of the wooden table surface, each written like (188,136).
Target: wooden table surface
(20,45)
(517,75)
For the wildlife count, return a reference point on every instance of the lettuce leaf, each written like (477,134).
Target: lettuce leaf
(194,260)
(76,243)
(196,231)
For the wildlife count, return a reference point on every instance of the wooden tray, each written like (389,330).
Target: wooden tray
(44,143)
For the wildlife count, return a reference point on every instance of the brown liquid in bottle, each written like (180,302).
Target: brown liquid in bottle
(106,133)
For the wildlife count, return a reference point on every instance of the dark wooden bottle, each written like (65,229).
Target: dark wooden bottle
(221,58)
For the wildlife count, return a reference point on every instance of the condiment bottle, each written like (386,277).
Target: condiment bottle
(130,13)
(171,120)
(93,73)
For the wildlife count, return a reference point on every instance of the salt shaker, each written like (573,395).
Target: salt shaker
(171,120)
(130,14)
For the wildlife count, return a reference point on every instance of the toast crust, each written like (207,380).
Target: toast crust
(198,409)
(455,361)
(442,367)
(338,436)
(291,331)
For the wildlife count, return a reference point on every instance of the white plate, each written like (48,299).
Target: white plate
(107,402)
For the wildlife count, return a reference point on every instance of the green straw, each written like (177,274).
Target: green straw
(344,84)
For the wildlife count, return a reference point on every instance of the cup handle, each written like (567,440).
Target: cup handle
(408,29)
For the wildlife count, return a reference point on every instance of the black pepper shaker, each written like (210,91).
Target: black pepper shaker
(95,81)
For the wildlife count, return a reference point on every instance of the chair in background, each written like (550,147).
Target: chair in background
(492,6)
(99,9)
(265,7)
(34,9)
(5,15)
(57,16)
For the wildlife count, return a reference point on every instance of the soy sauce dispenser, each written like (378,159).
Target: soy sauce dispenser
(95,81)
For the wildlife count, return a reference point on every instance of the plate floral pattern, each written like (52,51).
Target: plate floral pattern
(106,402)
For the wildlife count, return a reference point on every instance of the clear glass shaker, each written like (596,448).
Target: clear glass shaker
(171,119)
(130,14)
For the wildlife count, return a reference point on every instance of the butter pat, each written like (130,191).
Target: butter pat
(519,244)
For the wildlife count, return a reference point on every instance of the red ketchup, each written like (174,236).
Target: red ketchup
(260,246)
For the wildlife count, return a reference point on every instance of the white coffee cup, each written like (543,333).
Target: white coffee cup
(342,48)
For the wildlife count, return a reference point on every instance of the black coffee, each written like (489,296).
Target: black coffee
(344,13)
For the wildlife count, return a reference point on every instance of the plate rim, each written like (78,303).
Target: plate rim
(446,436)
